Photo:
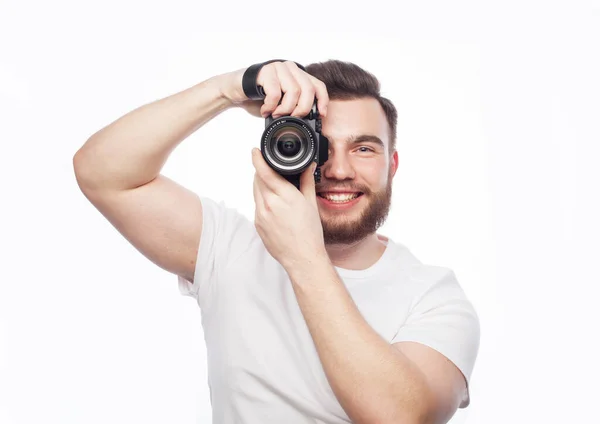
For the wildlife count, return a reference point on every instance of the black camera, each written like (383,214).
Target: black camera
(290,145)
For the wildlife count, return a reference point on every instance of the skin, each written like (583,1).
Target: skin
(118,169)
(350,235)
(347,237)
(374,381)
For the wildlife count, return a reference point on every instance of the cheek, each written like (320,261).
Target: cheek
(374,174)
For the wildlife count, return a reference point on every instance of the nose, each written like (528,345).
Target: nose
(337,167)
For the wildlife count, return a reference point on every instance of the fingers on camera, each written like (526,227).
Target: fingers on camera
(307,91)
(321,93)
(272,89)
(291,91)
(290,88)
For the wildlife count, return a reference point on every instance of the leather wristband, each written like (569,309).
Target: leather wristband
(251,89)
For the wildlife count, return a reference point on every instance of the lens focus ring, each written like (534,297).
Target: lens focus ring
(288,144)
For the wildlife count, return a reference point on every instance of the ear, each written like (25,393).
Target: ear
(394,163)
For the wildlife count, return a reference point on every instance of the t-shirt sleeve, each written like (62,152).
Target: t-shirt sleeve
(445,320)
(226,234)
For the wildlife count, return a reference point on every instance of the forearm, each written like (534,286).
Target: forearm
(373,381)
(132,150)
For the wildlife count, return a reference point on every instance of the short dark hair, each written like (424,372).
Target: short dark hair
(348,81)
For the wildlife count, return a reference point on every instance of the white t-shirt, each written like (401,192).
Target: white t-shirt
(263,366)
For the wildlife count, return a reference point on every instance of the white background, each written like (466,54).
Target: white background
(498,142)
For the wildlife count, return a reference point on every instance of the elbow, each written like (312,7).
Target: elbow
(420,411)
(77,166)
(426,411)
(78,169)
(404,414)
(84,173)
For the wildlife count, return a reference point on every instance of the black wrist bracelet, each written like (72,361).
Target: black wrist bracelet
(251,89)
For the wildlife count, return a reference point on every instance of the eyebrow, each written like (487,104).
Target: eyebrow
(357,139)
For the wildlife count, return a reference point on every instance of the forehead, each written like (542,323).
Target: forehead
(355,117)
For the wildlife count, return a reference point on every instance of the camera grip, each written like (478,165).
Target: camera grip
(251,89)
(294,179)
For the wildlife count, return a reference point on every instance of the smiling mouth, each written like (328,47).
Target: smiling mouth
(340,197)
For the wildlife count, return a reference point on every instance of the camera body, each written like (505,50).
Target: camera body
(289,145)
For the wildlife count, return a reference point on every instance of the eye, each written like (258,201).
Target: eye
(368,149)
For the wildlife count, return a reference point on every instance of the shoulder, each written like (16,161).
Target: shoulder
(422,274)
(438,285)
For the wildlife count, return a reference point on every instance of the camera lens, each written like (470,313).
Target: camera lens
(288,145)
(289,142)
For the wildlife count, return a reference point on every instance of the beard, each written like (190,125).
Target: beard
(349,227)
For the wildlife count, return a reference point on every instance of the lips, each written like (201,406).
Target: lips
(338,202)
(338,192)
(339,196)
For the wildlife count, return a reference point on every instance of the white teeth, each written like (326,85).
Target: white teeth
(340,198)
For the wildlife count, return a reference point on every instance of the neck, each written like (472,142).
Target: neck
(357,256)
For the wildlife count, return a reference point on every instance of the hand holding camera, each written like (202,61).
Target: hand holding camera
(292,103)
(288,90)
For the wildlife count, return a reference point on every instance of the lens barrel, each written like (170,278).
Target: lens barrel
(288,145)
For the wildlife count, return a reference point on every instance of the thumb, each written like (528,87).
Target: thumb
(307,183)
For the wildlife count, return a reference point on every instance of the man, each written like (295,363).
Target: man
(309,315)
